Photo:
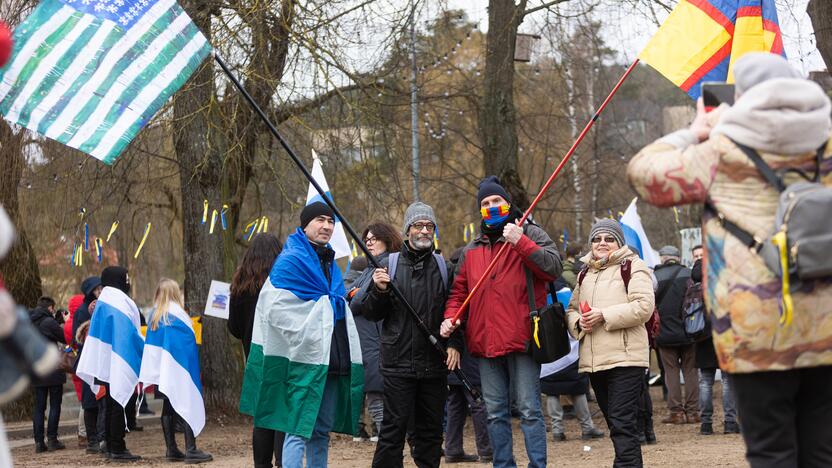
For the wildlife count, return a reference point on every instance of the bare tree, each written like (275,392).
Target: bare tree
(498,115)
(820,11)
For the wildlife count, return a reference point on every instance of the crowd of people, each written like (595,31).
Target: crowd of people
(300,321)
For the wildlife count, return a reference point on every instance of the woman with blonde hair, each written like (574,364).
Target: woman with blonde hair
(171,361)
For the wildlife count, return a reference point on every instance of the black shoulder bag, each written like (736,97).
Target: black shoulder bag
(549,337)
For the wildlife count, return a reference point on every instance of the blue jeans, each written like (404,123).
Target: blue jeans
(706,392)
(317,446)
(54,394)
(513,374)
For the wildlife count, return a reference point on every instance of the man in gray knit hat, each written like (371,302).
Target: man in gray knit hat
(415,374)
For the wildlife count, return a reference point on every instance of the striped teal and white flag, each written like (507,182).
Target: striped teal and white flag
(91,73)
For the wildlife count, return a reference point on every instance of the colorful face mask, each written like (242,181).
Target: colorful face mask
(495,215)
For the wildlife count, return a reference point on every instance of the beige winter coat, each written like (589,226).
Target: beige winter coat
(622,341)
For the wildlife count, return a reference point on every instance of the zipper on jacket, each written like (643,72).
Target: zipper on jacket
(591,341)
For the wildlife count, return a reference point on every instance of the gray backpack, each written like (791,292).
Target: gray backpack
(801,239)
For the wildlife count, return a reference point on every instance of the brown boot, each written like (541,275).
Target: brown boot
(693,418)
(82,442)
(675,418)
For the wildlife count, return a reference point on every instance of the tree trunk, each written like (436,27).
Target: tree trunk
(497,118)
(20,267)
(198,149)
(573,161)
(820,12)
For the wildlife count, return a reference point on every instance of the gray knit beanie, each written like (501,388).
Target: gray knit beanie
(607,226)
(754,68)
(417,211)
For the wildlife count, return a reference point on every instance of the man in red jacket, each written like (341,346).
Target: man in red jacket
(497,319)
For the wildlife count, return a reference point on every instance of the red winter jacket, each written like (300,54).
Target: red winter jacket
(497,318)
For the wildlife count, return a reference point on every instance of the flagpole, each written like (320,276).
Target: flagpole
(548,183)
(396,292)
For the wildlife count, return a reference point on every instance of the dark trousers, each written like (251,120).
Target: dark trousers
(114,425)
(459,402)
(425,399)
(266,443)
(786,417)
(130,411)
(618,392)
(54,393)
(645,407)
(91,425)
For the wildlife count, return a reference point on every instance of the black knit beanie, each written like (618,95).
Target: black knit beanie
(116,277)
(312,211)
(491,186)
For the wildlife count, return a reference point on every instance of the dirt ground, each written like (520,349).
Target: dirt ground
(678,446)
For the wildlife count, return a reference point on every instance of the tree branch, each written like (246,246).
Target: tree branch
(543,6)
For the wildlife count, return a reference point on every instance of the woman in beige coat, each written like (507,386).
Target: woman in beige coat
(607,315)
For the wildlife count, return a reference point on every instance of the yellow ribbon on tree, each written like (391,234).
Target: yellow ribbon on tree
(79,256)
(144,238)
(213,221)
(204,211)
(782,244)
(112,230)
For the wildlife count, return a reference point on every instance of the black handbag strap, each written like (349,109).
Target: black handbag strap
(741,234)
(767,172)
(530,290)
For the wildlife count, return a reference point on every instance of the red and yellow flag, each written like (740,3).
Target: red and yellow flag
(701,40)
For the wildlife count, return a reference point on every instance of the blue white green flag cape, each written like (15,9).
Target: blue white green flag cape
(290,345)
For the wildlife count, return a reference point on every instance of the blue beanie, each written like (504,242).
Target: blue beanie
(491,186)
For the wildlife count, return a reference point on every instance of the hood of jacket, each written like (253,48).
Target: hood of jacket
(781,116)
(39,313)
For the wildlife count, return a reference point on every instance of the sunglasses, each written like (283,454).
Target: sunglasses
(607,239)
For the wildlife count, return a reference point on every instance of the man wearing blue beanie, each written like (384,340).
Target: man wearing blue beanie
(497,320)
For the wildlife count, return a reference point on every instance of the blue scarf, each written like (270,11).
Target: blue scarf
(298,270)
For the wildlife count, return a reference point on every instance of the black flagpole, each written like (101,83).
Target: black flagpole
(396,292)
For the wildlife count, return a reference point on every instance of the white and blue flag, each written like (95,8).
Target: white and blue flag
(171,361)
(635,236)
(113,349)
(338,242)
(92,73)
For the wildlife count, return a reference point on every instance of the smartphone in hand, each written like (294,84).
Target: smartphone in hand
(716,93)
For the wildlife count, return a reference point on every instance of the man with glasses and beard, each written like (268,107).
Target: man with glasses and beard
(415,375)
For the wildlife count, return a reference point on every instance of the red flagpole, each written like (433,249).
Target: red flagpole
(546,186)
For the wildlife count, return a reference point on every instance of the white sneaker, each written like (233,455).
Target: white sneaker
(374,439)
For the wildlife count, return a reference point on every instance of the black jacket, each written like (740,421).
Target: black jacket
(405,350)
(671,331)
(369,332)
(52,331)
(241,317)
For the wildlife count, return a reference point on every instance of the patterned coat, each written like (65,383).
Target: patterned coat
(785,120)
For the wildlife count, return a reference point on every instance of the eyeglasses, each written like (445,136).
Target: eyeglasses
(370,241)
(607,239)
(421,226)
